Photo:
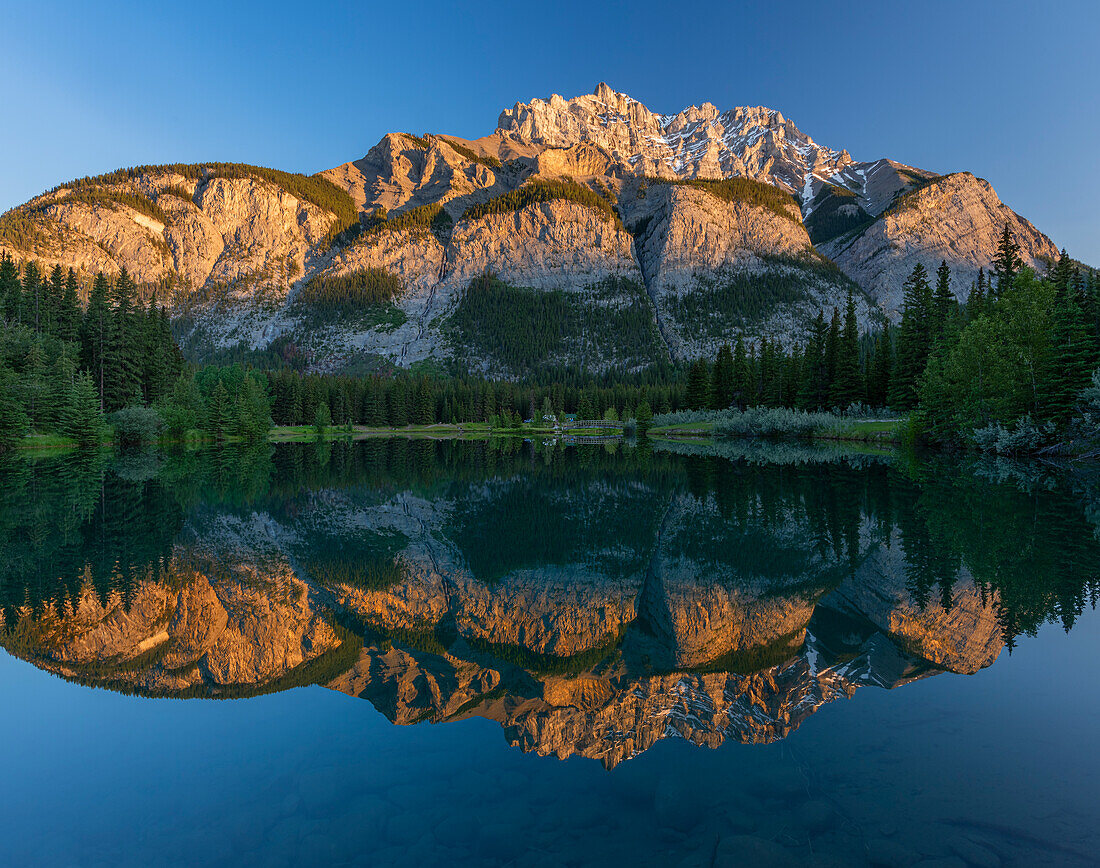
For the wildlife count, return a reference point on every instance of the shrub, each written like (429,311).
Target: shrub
(1023,438)
(136,426)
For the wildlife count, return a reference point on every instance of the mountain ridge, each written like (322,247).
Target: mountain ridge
(230,246)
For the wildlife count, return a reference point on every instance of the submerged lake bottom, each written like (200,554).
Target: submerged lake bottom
(402,652)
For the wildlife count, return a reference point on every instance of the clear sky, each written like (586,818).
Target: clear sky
(1007,90)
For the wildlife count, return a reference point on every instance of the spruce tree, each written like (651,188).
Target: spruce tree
(82,419)
(814,392)
(722,392)
(13,420)
(741,380)
(253,410)
(219,412)
(832,351)
(1007,262)
(942,301)
(976,301)
(67,326)
(95,334)
(51,301)
(1073,358)
(698,385)
(914,340)
(847,387)
(11,290)
(32,296)
(122,359)
(882,365)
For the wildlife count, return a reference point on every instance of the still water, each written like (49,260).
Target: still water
(398,652)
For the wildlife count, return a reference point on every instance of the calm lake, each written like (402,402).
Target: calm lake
(410,652)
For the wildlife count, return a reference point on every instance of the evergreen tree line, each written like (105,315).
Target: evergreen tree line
(64,364)
(396,401)
(1021,346)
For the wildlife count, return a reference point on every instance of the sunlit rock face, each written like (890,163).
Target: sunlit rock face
(961,633)
(188,630)
(239,250)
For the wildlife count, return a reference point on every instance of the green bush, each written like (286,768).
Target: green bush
(136,426)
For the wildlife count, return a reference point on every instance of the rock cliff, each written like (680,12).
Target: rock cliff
(679,269)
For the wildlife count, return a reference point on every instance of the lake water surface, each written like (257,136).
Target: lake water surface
(409,652)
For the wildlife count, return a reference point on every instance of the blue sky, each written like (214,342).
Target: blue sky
(1005,89)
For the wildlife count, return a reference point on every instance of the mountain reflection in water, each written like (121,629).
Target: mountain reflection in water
(592,600)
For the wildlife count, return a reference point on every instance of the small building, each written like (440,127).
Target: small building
(570,417)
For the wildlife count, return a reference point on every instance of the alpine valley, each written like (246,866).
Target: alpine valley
(608,236)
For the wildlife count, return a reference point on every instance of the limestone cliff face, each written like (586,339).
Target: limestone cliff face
(701,253)
(698,142)
(957,218)
(556,245)
(237,245)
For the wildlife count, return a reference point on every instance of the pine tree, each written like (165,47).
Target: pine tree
(942,301)
(32,296)
(882,365)
(122,358)
(95,334)
(51,301)
(722,391)
(67,326)
(253,410)
(815,391)
(13,420)
(11,290)
(1007,262)
(698,385)
(182,408)
(847,387)
(741,385)
(914,340)
(82,419)
(976,301)
(425,403)
(1073,357)
(832,351)
(219,412)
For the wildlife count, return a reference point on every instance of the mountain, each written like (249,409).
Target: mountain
(587,232)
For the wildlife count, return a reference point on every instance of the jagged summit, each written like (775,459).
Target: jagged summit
(697,142)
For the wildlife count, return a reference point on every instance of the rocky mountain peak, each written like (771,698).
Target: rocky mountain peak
(699,141)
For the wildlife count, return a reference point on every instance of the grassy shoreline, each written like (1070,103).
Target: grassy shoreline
(48,443)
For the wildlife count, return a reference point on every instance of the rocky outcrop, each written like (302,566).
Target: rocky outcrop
(957,218)
(698,142)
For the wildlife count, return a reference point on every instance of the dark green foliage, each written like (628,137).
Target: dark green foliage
(835,211)
(699,385)
(914,341)
(755,193)
(1007,262)
(538,190)
(82,419)
(346,292)
(424,218)
(723,386)
(13,420)
(847,386)
(740,302)
(491,162)
(177,191)
(110,198)
(136,426)
(527,330)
